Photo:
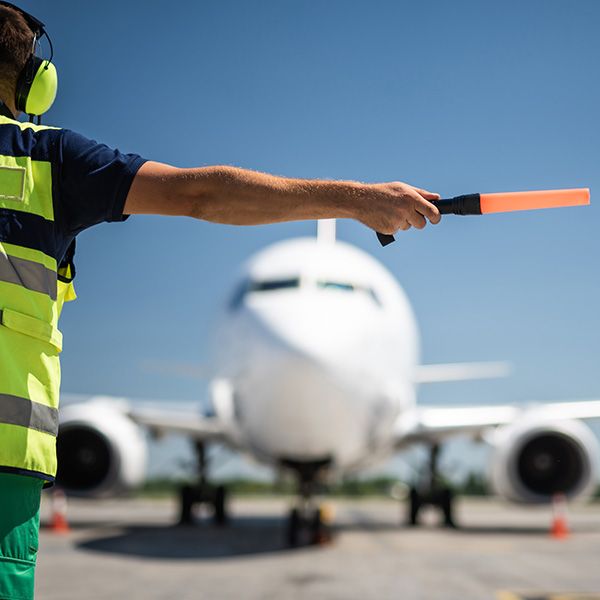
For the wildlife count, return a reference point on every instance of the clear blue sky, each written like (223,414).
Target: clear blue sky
(456,97)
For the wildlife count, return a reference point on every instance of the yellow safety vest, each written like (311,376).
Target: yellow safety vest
(33,287)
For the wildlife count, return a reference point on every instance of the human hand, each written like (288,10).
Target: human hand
(394,206)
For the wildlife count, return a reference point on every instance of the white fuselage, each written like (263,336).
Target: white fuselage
(318,344)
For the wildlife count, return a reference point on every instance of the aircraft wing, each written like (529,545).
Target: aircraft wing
(189,423)
(184,418)
(434,424)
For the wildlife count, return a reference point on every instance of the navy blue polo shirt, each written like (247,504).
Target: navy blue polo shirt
(90,181)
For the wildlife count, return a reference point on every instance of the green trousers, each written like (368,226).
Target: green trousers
(19,532)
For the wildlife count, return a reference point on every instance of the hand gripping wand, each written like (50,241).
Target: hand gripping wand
(482,204)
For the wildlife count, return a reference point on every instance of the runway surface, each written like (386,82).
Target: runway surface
(133,549)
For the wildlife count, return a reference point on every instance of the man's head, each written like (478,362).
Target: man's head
(16,43)
(27,83)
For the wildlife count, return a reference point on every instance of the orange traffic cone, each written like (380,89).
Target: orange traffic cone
(560,522)
(59,512)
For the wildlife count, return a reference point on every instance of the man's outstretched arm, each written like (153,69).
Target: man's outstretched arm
(233,196)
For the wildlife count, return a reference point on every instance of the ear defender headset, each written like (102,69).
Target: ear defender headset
(38,81)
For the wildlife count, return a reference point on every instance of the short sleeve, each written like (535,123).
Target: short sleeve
(91,182)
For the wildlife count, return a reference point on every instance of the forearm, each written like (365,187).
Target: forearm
(235,196)
(241,197)
(224,194)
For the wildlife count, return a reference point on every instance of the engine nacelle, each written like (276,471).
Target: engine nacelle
(101,451)
(535,459)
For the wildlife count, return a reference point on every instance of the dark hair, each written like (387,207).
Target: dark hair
(16,39)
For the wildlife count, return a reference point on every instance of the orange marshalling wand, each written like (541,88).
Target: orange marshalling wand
(482,204)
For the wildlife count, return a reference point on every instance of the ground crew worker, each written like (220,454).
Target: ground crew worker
(54,183)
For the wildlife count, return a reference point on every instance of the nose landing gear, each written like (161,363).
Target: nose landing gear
(309,526)
(309,523)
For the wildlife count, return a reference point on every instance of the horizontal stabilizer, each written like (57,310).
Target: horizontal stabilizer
(461,371)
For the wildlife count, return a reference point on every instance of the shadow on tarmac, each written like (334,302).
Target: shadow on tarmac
(242,537)
(460,529)
(252,536)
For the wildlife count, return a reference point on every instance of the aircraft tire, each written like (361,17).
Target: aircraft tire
(413,507)
(187,502)
(220,517)
(294,527)
(446,505)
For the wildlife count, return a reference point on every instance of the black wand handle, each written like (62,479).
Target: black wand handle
(468,204)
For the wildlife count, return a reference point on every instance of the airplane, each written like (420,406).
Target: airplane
(316,371)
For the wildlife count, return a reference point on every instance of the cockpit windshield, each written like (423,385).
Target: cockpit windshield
(330,285)
(349,287)
(274,285)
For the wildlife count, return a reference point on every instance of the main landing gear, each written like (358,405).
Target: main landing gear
(433,494)
(203,493)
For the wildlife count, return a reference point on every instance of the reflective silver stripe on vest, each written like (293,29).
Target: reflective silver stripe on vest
(25,413)
(29,274)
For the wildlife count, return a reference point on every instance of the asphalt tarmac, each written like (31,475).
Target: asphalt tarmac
(132,549)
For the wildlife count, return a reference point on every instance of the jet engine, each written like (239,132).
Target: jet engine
(533,459)
(101,451)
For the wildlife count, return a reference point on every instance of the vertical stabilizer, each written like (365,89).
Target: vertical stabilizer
(326,231)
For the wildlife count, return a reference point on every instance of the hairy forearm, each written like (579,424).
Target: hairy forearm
(240,197)
(229,195)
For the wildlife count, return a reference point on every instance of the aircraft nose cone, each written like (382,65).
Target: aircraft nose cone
(323,329)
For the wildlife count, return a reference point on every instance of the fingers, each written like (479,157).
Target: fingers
(429,210)
(402,206)
(425,208)
(417,220)
(427,195)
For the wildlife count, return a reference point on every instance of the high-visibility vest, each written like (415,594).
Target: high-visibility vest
(33,287)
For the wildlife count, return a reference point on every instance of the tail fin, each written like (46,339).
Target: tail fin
(326,231)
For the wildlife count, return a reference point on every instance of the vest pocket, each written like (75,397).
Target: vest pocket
(32,327)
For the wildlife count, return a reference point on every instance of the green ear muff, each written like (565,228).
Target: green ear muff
(37,86)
